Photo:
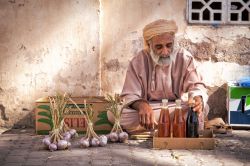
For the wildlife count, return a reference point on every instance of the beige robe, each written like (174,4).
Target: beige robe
(148,81)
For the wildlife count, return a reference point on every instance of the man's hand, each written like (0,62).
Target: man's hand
(198,105)
(146,114)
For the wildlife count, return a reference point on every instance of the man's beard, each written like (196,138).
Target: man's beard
(159,60)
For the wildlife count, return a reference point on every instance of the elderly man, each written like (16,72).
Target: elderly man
(158,72)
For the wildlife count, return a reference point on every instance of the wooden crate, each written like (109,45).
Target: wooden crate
(205,141)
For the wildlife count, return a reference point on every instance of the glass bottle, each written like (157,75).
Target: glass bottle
(179,123)
(164,120)
(192,122)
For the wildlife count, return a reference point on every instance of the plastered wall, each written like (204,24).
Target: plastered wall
(83,47)
(46,46)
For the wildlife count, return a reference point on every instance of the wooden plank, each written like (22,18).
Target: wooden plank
(205,142)
(183,143)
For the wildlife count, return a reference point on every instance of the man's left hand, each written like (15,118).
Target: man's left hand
(198,105)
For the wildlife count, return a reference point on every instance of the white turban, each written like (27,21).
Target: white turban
(158,27)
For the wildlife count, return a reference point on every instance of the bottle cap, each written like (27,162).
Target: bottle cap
(164,100)
(178,102)
(164,103)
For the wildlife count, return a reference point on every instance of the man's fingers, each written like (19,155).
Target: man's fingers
(152,119)
(155,123)
(147,121)
(146,116)
(141,119)
(198,108)
(198,104)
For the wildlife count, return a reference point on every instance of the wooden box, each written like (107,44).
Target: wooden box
(205,142)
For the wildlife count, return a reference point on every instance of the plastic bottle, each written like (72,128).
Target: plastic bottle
(192,123)
(179,123)
(164,120)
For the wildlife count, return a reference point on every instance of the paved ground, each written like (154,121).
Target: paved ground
(23,147)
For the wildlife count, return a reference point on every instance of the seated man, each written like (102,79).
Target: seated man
(159,72)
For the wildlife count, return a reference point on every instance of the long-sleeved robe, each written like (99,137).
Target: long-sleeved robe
(148,81)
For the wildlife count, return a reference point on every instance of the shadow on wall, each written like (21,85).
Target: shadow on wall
(217,102)
(27,121)
(3,114)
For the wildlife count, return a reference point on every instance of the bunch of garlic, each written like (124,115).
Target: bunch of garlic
(91,138)
(55,141)
(58,139)
(115,105)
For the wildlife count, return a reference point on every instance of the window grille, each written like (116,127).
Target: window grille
(219,11)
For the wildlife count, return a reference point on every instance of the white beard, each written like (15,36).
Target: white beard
(162,61)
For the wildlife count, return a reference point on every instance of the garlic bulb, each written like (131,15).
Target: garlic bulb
(103,140)
(113,137)
(46,142)
(66,133)
(69,145)
(62,144)
(72,132)
(52,147)
(94,142)
(123,136)
(67,136)
(84,143)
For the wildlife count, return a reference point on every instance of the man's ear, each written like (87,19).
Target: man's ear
(150,43)
(148,46)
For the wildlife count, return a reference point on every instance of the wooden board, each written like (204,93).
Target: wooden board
(205,142)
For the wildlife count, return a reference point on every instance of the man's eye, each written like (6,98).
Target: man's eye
(158,47)
(169,45)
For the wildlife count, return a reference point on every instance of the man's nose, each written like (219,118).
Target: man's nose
(165,51)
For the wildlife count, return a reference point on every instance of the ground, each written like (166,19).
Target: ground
(24,147)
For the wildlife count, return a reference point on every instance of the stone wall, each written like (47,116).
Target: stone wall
(83,47)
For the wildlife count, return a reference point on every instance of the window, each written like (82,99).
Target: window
(219,11)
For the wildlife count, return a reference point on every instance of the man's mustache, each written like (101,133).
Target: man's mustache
(161,60)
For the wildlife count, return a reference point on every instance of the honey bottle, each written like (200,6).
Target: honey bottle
(179,123)
(164,120)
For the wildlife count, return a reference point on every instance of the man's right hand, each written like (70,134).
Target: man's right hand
(146,114)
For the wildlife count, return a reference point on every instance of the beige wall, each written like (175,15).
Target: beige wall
(46,46)
(83,47)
